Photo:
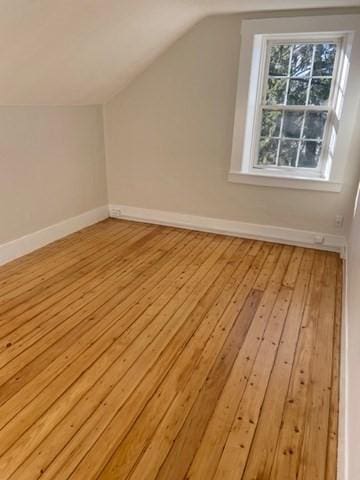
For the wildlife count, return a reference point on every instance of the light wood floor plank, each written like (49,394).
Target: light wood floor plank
(140,434)
(104,396)
(174,418)
(68,298)
(100,305)
(236,449)
(97,323)
(260,458)
(71,299)
(315,438)
(17,284)
(214,439)
(332,451)
(28,289)
(288,449)
(27,261)
(185,443)
(135,404)
(135,351)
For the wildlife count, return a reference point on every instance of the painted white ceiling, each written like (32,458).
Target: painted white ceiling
(70,52)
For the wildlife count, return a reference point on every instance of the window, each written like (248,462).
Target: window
(295,107)
(294,102)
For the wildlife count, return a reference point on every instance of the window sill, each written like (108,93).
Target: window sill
(285,182)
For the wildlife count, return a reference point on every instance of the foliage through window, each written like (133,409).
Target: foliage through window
(295,106)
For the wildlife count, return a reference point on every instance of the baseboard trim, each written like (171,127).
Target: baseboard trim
(28,243)
(291,236)
(24,245)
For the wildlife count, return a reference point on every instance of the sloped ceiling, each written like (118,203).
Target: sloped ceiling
(71,52)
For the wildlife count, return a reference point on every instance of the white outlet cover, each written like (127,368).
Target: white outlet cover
(339,220)
(319,239)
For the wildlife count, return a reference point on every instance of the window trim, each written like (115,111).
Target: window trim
(260,66)
(284,181)
(324,27)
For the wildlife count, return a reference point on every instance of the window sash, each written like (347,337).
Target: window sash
(295,139)
(301,139)
(262,105)
(297,108)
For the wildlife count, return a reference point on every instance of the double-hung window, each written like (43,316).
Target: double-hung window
(295,110)
(296,91)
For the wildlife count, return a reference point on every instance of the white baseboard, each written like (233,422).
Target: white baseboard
(21,246)
(231,227)
(24,245)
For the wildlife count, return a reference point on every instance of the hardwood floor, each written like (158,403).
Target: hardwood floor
(133,351)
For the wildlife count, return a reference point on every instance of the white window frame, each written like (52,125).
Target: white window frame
(267,42)
(251,88)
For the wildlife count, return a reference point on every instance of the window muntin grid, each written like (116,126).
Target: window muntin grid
(298,87)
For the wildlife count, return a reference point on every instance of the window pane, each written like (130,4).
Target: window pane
(297,92)
(324,59)
(301,60)
(267,151)
(270,123)
(276,91)
(309,154)
(314,125)
(292,124)
(279,60)
(288,153)
(319,91)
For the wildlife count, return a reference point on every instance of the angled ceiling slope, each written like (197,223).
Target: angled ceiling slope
(78,52)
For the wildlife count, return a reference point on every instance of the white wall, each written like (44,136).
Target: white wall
(52,166)
(353,347)
(169,135)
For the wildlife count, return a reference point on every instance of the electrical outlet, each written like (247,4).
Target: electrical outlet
(115,213)
(319,239)
(339,221)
